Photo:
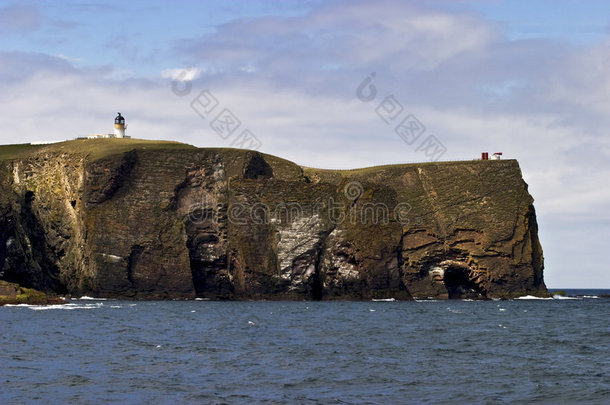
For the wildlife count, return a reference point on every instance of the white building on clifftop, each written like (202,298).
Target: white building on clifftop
(119,129)
(119,126)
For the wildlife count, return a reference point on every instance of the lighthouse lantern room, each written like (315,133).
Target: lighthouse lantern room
(119,126)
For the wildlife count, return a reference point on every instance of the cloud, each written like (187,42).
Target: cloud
(181,74)
(424,55)
(17,19)
(18,67)
(341,34)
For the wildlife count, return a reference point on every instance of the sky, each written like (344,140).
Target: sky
(326,83)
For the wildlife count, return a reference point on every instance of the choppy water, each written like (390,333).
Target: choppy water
(494,352)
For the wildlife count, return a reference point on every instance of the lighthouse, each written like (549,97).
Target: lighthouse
(119,126)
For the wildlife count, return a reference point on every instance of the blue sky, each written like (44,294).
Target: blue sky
(528,78)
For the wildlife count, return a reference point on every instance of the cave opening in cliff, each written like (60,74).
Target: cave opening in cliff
(210,278)
(317,287)
(460,286)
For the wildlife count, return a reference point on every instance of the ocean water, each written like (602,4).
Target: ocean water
(489,352)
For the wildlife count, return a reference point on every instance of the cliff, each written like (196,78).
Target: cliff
(143,219)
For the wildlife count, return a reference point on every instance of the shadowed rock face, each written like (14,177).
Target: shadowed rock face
(235,224)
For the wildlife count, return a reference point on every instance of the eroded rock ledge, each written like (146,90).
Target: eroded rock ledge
(157,222)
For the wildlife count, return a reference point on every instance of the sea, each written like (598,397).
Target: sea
(93,351)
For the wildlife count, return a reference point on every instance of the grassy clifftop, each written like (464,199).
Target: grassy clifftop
(93,148)
(97,149)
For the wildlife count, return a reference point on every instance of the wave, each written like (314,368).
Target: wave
(384,300)
(85,298)
(67,307)
(554,297)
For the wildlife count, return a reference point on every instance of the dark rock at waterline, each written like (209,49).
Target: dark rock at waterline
(11,293)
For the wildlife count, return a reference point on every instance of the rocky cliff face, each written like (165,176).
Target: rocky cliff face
(152,221)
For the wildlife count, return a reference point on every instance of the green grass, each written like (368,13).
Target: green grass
(95,149)
(397,166)
(9,152)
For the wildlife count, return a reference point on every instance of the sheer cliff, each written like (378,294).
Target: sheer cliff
(141,219)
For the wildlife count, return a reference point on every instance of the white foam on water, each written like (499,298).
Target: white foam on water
(85,297)
(384,300)
(502,309)
(57,306)
(590,296)
(532,297)
(48,307)
(426,300)
(67,307)
(42,307)
(561,297)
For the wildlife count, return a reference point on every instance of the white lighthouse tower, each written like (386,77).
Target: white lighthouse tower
(119,126)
